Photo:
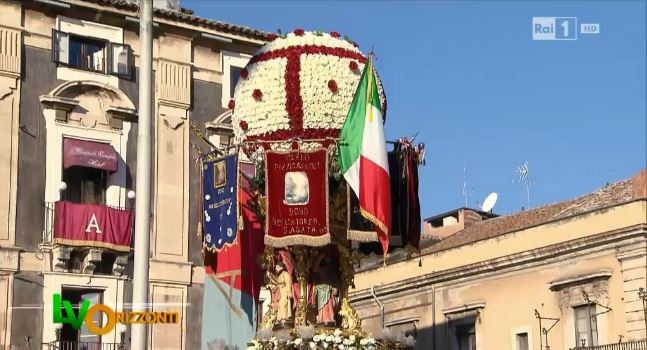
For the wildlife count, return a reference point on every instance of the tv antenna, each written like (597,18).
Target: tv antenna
(466,193)
(523,177)
(543,330)
(489,202)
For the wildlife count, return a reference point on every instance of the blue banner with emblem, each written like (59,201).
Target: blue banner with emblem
(220,211)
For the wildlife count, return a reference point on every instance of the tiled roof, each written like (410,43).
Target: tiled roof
(610,195)
(186,18)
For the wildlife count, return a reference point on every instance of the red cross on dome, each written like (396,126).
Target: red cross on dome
(298,86)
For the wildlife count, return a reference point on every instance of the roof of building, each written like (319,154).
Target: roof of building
(455,211)
(186,17)
(611,195)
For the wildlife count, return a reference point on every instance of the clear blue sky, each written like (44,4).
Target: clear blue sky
(468,76)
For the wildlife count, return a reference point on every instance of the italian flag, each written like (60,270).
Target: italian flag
(363,158)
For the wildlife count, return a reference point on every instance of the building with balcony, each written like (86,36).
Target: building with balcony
(68,101)
(561,276)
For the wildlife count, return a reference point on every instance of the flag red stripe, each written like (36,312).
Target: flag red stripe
(375,195)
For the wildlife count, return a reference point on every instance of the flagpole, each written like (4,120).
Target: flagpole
(139,337)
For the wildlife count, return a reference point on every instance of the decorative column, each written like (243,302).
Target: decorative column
(303,259)
(10,65)
(170,269)
(10,48)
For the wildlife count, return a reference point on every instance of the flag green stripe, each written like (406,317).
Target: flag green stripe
(352,132)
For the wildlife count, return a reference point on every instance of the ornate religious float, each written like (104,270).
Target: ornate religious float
(289,107)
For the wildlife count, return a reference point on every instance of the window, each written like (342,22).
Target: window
(103,267)
(586,328)
(85,185)
(83,336)
(466,337)
(91,54)
(407,328)
(522,341)
(234,75)
(232,64)
(224,141)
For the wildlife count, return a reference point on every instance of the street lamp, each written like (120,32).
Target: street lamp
(57,332)
(131,196)
(62,186)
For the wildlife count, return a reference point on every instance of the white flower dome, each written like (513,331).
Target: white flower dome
(299,86)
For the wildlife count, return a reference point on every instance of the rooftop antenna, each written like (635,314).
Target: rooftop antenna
(523,177)
(489,202)
(466,192)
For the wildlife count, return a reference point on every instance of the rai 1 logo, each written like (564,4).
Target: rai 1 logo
(554,28)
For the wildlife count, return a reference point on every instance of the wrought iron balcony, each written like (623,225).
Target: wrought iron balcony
(75,345)
(630,345)
(88,238)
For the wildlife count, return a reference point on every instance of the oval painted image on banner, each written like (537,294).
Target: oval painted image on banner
(297,188)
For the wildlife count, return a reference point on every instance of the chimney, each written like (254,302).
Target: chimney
(470,217)
(444,225)
(169,5)
(639,182)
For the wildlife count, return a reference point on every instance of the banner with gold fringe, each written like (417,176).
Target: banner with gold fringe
(220,209)
(296,188)
(359,228)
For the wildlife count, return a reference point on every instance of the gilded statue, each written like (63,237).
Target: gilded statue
(326,293)
(281,288)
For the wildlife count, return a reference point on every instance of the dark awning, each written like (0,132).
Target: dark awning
(89,154)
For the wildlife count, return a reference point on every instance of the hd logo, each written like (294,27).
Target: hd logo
(554,28)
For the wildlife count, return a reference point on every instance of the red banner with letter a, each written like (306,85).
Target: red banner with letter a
(92,225)
(296,190)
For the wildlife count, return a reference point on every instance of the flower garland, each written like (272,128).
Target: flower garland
(336,340)
(308,339)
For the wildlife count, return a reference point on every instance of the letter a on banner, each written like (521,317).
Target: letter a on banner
(93,224)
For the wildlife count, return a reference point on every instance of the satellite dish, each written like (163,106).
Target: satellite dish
(489,201)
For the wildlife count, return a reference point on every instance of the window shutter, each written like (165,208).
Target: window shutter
(60,47)
(119,56)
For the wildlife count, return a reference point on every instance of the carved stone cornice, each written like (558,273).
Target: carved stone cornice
(61,258)
(10,52)
(119,267)
(62,105)
(173,84)
(9,259)
(118,115)
(91,260)
(519,261)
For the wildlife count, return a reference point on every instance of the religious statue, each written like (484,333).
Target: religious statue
(325,290)
(281,289)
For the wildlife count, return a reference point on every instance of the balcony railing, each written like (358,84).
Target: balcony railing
(631,345)
(88,225)
(75,345)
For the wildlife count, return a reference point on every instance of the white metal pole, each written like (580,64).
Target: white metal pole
(143,175)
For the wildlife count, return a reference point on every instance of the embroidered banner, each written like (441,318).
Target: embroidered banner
(296,188)
(232,284)
(220,216)
(92,225)
(406,224)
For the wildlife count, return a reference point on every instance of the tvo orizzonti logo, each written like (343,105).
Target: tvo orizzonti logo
(87,312)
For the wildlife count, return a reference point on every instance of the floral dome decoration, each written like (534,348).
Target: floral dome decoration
(298,86)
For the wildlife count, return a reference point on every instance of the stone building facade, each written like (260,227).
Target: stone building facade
(576,268)
(69,73)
